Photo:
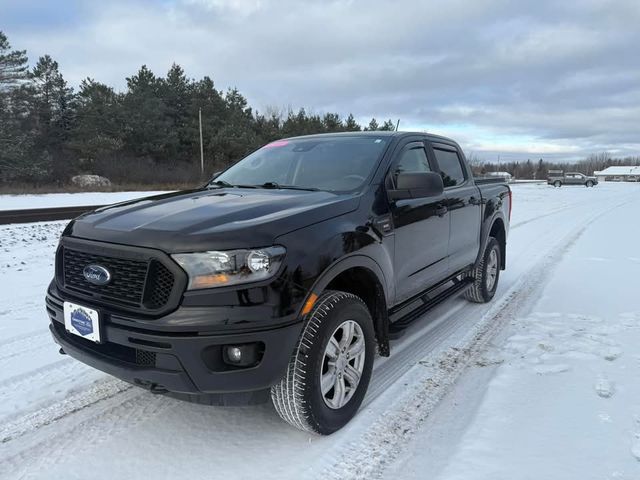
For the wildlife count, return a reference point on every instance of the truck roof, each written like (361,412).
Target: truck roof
(376,133)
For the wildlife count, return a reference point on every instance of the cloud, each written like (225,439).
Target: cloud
(550,78)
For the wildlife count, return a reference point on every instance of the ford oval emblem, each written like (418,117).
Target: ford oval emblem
(96,274)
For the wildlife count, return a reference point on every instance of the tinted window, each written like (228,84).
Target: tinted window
(450,167)
(413,160)
(331,163)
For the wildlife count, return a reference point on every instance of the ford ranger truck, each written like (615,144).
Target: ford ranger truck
(284,276)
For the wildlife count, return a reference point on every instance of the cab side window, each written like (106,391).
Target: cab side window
(413,160)
(450,167)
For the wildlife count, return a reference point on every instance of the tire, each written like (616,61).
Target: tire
(298,397)
(557,184)
(484,287)
(589,183)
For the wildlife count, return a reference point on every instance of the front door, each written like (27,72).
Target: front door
(575,179)
(421,227)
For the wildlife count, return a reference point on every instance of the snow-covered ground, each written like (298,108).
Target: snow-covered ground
(561,397)
(540,383)
(50,200)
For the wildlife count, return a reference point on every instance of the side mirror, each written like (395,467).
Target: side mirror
(417,185)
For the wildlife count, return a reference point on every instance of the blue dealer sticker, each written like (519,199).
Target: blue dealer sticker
(81,321)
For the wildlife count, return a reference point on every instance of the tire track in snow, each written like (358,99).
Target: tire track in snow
(96,392)
(368,456)
(548,214)
(106,418)
(23,337)
(388,370)
(540,217)
(30,386)
(24,344)
(46,372)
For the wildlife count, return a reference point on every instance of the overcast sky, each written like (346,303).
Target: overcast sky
(552,79)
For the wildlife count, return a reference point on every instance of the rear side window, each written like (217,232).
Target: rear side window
(450,167)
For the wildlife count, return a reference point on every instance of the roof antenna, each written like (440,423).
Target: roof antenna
(397,125)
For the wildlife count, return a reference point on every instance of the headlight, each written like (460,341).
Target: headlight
(230,267)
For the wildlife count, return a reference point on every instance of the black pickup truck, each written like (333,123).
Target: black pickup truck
(284,275)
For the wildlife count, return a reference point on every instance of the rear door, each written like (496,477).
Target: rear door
(421,227)
(463,201)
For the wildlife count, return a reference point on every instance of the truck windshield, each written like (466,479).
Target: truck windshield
(336,164)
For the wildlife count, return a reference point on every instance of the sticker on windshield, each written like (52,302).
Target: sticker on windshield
(277,143)
(378,140)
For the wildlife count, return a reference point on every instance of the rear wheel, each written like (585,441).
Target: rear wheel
(486,274)
(329,370)
(557,184)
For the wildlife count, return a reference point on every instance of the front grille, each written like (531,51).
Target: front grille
(128,276)
(159,286)
(138,284)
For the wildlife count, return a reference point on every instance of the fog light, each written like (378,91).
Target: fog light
(245,355)
(234,354)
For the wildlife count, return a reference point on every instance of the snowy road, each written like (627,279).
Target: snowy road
(59,418)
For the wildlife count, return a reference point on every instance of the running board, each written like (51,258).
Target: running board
(396,329)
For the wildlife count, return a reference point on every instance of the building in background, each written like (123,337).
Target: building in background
(618,174)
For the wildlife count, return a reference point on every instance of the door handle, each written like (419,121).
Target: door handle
(441,210)
(475,201)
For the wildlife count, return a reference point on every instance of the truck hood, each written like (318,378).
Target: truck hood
(200,220)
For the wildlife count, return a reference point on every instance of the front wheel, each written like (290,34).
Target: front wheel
(589,183)
(557,184)
(329,371)
(486,274)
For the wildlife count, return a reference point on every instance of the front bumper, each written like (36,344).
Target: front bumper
(180,362)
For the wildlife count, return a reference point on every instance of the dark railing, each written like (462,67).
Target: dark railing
(43,214)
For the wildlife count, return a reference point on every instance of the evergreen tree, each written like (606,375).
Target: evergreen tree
(388,126)
(351,125)
(51,117)
(373,125)
(144,113)
(97,132)
(268,126)
(175,91)
(13,64)
(15,137)
(332,123)
(541,170)
(16,140)
(237,136)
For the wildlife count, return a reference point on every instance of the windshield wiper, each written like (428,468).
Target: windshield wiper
(224,184)
(267,185)
(277,186)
